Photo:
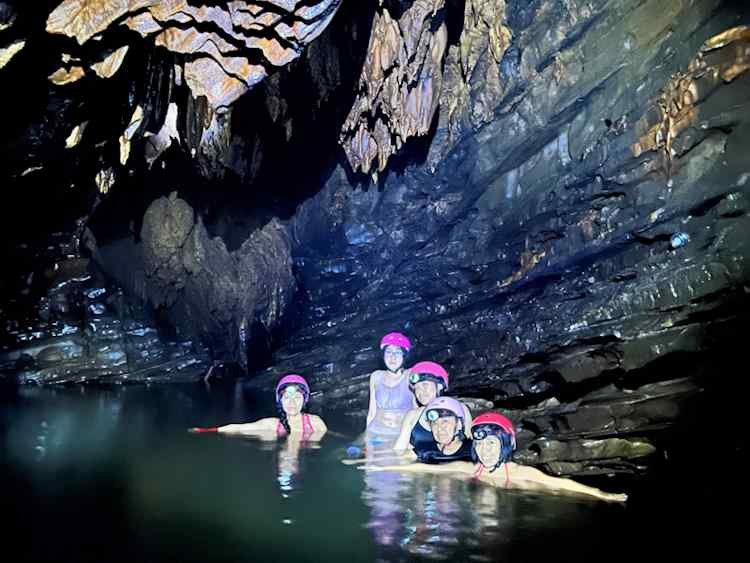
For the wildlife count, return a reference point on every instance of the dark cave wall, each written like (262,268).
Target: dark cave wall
(546,213)
(536,260)
(525,239)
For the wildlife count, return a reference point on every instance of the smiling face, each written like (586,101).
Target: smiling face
(444,429)
(393,356)
(425,391)
(488,450)
(292,400)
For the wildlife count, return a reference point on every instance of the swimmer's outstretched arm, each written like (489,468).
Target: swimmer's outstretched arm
(404,456)
(529,477)
(259,426)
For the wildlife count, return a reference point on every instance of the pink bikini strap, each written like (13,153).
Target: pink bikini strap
(478,471)
(307,427)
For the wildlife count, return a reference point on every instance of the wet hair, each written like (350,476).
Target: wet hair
(506,449)
(283,418)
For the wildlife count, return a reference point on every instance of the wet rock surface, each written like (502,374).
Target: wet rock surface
(555,255)
(559,214)
(400,84)
(232,301)
(227,47)
(84,330)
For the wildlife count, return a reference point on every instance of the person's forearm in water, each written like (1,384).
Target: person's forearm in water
(532,475)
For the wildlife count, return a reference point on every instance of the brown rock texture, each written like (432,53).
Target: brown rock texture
(221,297)
(64,76)
(10,51)
(400,85)
(111,64)
(218,41)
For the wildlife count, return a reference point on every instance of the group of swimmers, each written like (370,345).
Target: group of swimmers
(425,430)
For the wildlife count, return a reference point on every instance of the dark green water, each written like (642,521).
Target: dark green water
(112,475)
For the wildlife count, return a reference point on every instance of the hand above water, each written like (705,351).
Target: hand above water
(199,430)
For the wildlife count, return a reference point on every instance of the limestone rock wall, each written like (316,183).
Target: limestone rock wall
(230,300)
(579,255)
(550,197)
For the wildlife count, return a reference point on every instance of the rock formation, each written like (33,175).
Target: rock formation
(232,301)
(84,329)
(219,41)
(539,260)
(559,213)
(400,84)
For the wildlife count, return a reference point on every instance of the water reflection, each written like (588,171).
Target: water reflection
(425,516)
(56,431)
(442,517)
(435,520)
(383,493)
(120,465)
(288,460)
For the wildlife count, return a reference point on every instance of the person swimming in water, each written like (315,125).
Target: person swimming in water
(390,397)
(492,446)
(445,442)
(292,395)
(427,380)
(446,417)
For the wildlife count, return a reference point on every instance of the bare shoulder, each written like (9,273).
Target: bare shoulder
(268,423)
(269,420)
(318,422)
(377,374)
(261,425)
(518,471)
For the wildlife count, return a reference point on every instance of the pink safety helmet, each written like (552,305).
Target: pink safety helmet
(428,371)
(495,419)
(293,379)
(444,404)
(494,424)
(395,339)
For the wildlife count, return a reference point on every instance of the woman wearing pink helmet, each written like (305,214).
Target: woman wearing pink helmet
(448,427)
(390,397)
(494,439)
(292,394)
(428,380)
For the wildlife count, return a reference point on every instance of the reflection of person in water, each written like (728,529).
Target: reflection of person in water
(292,395)
(494,440)
(384,493)
(288,459)
(435,521)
